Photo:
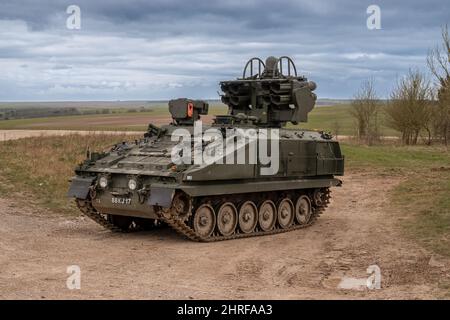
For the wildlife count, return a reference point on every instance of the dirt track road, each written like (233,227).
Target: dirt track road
(357,231)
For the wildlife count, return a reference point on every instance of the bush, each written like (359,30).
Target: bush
(410,108)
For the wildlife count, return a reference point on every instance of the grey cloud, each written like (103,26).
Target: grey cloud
(158,49)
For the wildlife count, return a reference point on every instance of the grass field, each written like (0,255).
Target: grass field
(128,121)
(109,122)
(337,118)
(328,118)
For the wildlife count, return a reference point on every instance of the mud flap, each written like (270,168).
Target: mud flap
(79,187)
(160,196)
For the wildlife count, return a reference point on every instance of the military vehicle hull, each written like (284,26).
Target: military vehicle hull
(141,185)
(216,201)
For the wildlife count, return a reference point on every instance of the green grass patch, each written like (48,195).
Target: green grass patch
(395,157)
(337,118)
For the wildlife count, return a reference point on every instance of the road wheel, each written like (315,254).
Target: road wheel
(267,215)
(248,217)
(285,213)
(204,220)
(303,210)
(227,219)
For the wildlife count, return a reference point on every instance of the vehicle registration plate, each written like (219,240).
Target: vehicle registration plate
(118,200)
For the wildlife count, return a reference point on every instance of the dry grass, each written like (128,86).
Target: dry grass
(425,202)
(422,198)
(42,166)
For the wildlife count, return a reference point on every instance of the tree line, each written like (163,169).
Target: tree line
(416,106)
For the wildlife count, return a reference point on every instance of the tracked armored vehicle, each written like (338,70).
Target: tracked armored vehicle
(160,179)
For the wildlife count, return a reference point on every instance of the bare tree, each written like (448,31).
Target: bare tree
(410,107)
(438,61)
(365,107)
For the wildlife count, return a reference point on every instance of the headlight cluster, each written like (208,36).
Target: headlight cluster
(132,184)
(103,182)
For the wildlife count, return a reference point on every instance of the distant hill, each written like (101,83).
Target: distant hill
(332,102)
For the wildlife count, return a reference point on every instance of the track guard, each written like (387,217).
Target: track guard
(160,196)
(79,187)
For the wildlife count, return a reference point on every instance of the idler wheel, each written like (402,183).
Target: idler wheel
(248,217)
(318,196)
(285,213)
(227,219)
(204,220)
(182,205)
(267,215)
(303,210)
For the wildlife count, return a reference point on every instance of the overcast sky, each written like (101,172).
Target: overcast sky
(160,49)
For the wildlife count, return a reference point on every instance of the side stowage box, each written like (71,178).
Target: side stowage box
(329,158)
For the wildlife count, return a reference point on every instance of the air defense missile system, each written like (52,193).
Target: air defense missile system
(242,175)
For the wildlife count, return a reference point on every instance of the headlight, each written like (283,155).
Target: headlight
(132,184)
(103,182)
